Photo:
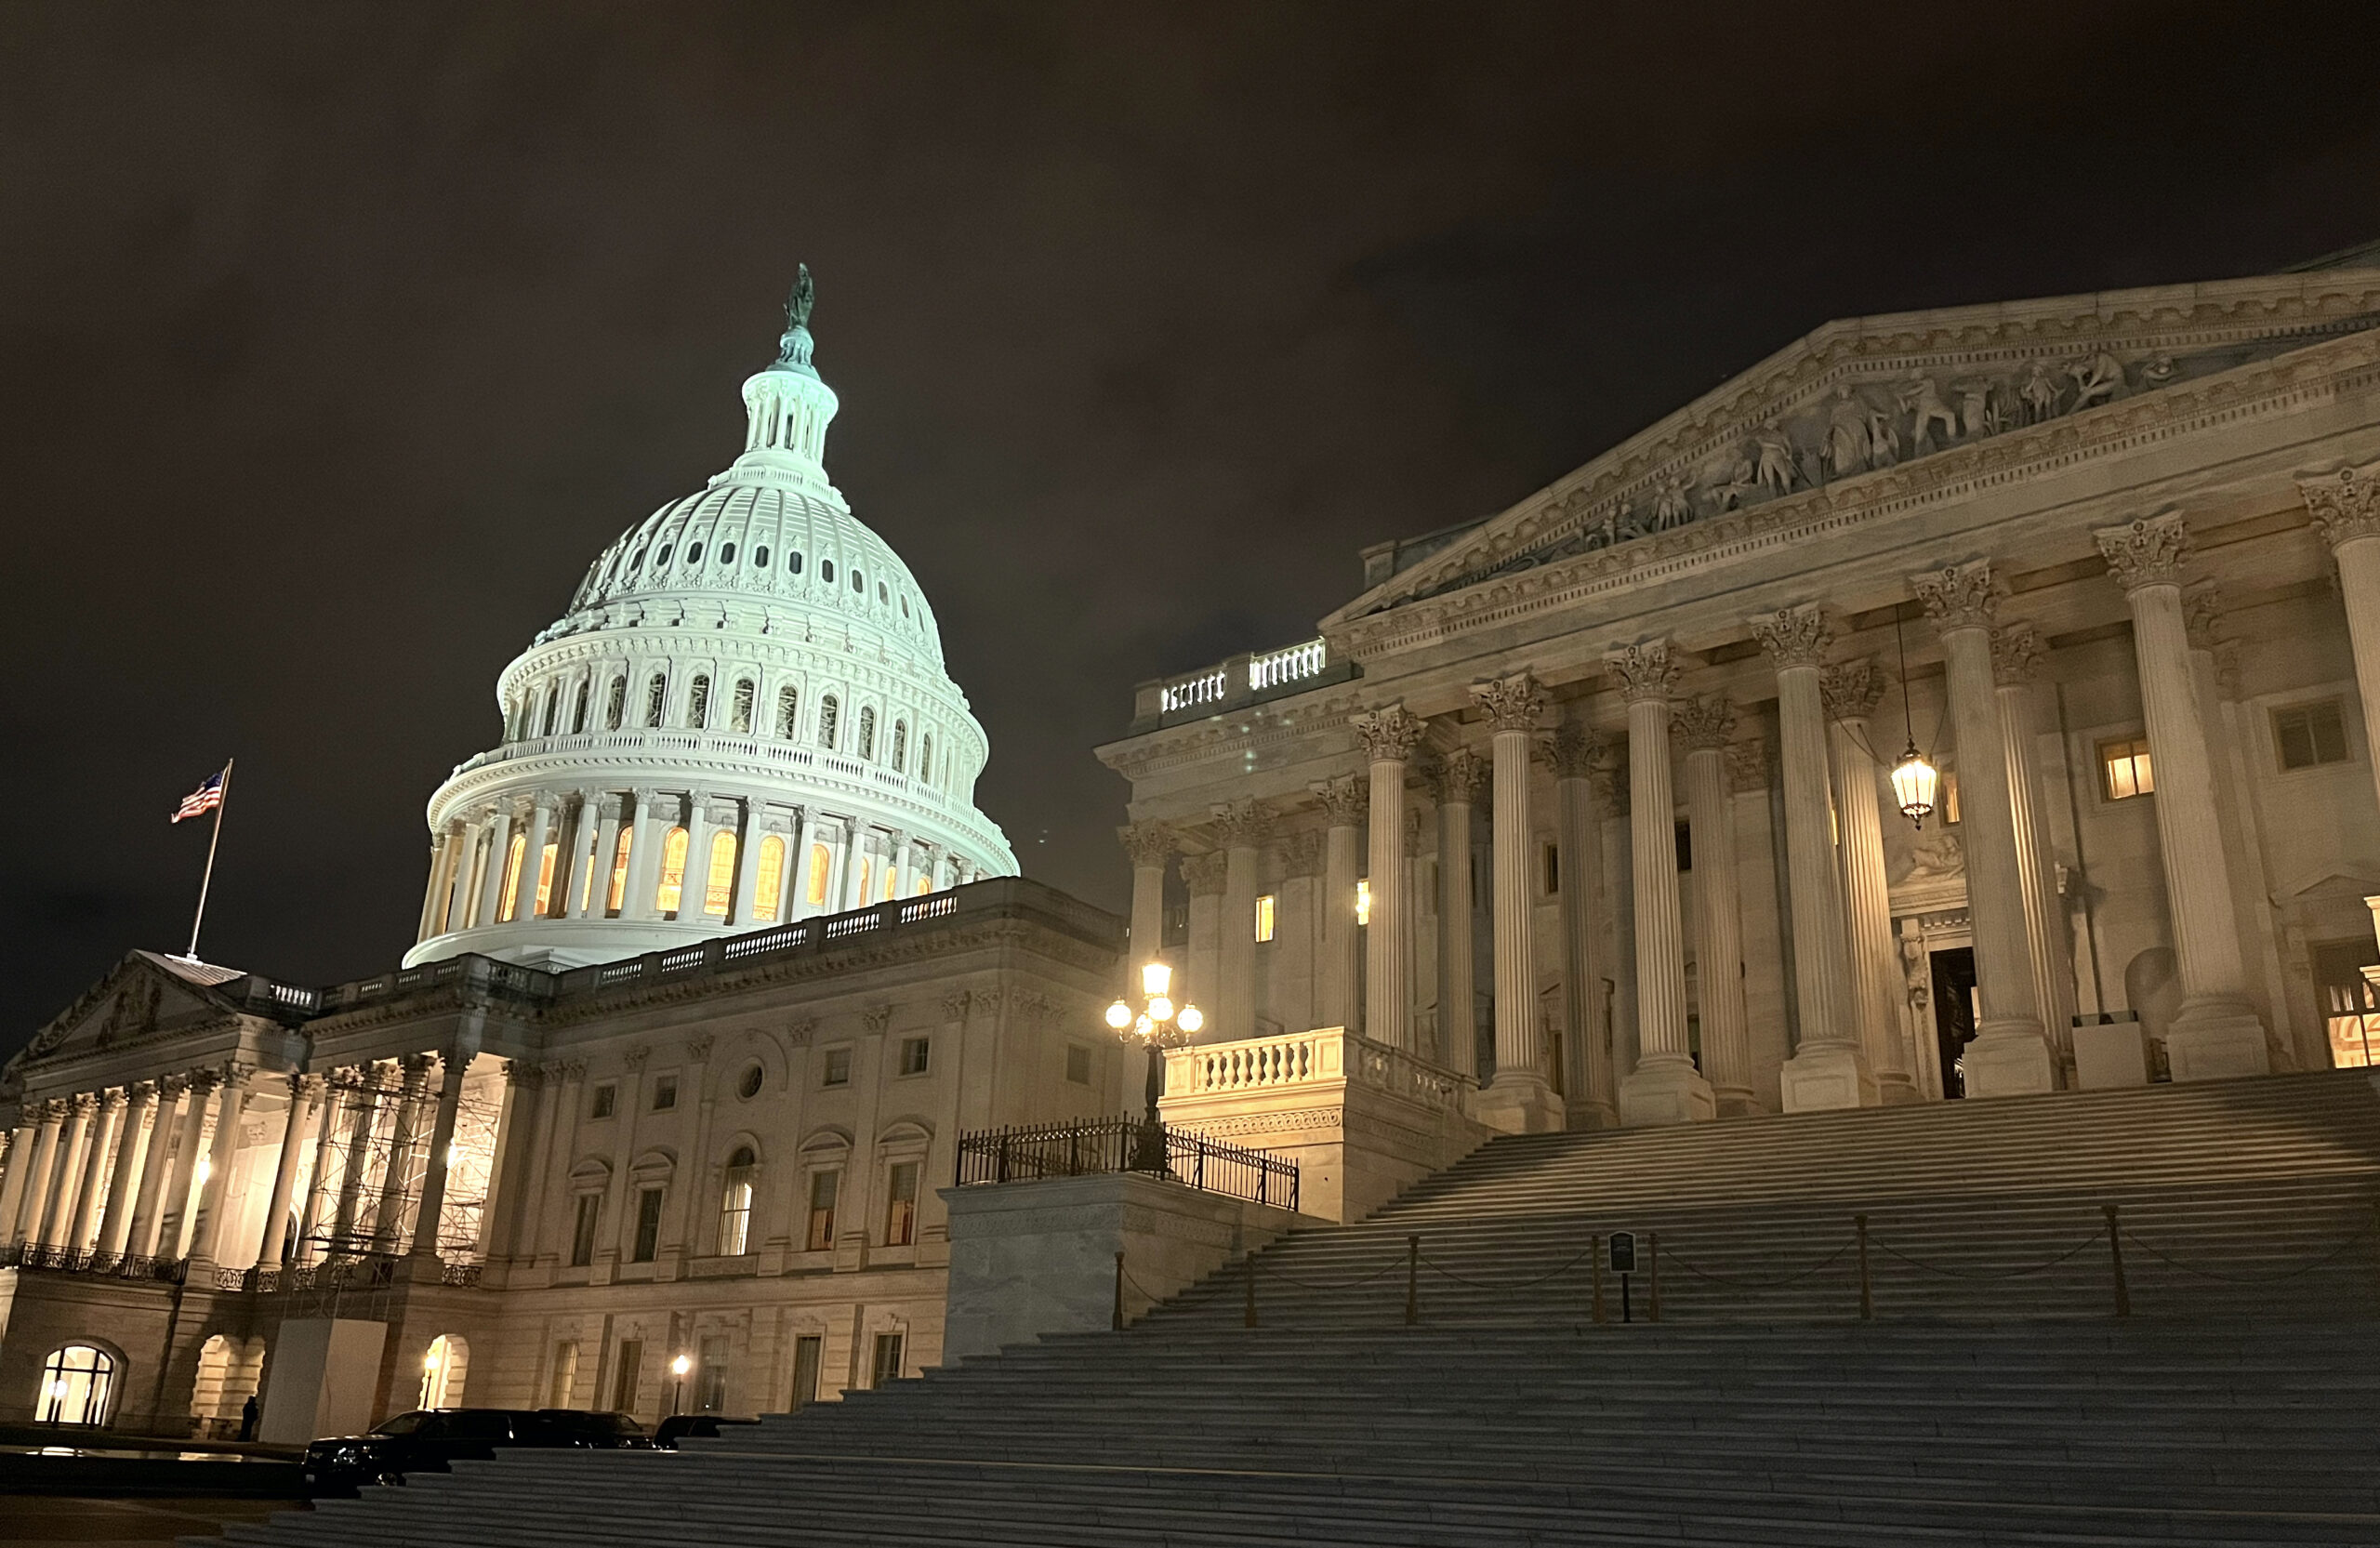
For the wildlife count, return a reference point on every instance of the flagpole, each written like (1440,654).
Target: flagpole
(223,799)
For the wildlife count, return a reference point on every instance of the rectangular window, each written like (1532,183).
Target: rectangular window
(508,894)
(1264,905)
(901,1210)
(664,1092)
(2309,734)
(1549,867)
(710,1375)
(823,1188)
(915,1052)
(2350,1005)
(768,884)
(565,1374)
(887,1366)
(808,1352)
(1951,793)
(582,1234)
(2124,769)
(607,1097)
(1079,1063)
(624,1380)
(821,860)
(1362,902)
(838,1067)
(648,1225)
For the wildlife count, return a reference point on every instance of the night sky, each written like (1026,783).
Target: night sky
(336,341)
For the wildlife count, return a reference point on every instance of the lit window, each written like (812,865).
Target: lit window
(739,712)
(767,889)
(587,871)
(901,1208)
(546,881)
(1950,790)
(720,883)
(1265,918)
(900,746)
(508,894)
(915,1054)
(736,1208)
(868,731)
(788,708)
(698,702)
(823,1188)
(821,860)
(75,1384)
(666,896)
(837,1070)
(616,704)
(2309,734)
(830,714)
(2123,768)
(617,894)
(866,870)
(1362,902)
(2350,1005)
(891,881)
(656,694)
(925,882)
(648,1227)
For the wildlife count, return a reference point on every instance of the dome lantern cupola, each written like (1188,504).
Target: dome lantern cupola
(787,408)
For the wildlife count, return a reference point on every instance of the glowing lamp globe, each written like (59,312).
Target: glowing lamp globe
(1914,783)
(1191,1019)
(1155,979)
(1119,1015)
(682,1365)
(1161,1009)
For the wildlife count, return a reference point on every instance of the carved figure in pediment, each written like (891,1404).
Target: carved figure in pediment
(1773,452)
(1883,438)
(131,1014)
(1923,401)
(1844,450)
(2158,372)
(1676,507)
(1937,855)
(2097,376)
(1741,480)
(2040,393)
(1977,414)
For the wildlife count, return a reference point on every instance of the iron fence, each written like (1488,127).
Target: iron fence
(1094,1146)
(60,1260)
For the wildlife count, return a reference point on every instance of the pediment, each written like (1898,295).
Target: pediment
(2336,887)
(1862,396)
(145,993)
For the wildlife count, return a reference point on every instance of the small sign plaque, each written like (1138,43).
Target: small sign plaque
(1624,1251)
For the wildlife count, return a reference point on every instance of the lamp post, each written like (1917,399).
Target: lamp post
(678,1367)
(1159,1025)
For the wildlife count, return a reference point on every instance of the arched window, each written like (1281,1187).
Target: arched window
(859,583)
(673,871)
(739,709)
(578,712)
(830,712)
(694,553)
(617,704)
(662,558)
(718,879)
(821,860)
(826,571)
(76,1384)
(545,879)
(900,746)
(735,1205)
(615,895)
(510,895)
(760,557)
(656,694)
(925,757)
(868,731)
(793,563)
(767,889)
(788,707)
(553,707)
(698,702)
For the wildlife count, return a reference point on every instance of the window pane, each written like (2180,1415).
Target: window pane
(546,858)
(648,1225)
(821,862)
(769,888)
(1264,917)
(721,881)
(619,890)
(511,892)
(2296,733)
(671,891)
(2329,732)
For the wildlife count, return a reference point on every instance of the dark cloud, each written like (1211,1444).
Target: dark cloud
(334,341)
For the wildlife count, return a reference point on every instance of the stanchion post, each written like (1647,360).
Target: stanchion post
(1595,1250)
(1119,1325)
(1249,1320)
(1655,1286)
(2115,1261)
(1867,1302)
(1412,1280)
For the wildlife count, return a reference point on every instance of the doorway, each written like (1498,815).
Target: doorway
(1953,1012)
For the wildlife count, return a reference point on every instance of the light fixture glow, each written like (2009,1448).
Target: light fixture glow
(1143,1026)
(1191,1019)
(205,1169)
(1155,979)
(1914,783)
(454,1153)
(682,1365)
(1364,902)
(1161,1009)
(430,1361)
(1119,1015)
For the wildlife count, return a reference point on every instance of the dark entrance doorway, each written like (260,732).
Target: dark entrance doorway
(1953,1012)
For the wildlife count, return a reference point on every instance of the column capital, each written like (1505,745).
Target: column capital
(2345,505)
(170,1087)
(543,801)
(2201,610)
(83,1103)
(1576,752)
(572,1070)
(1148,843)
(2017,654)
(114,1096)
(305,1088)
(634,1058)
(1205,873)
(2227,667)
(1302,853)
(1957,596)
(524,1075)
(1513,703)
(1464,777)
(1793,636)
(1704,723)
(201,1083)
(1851,689)
(1242,823)
(1389,733)
(1645,671)
(2146,552)
(698,1049)
(1344,800)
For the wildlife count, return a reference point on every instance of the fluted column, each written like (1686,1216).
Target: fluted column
(23,1143)
(1200,982)
(1828,1068)
(2009,1056)
(1463,779)
(462,886)
(1340,976)
(594,900)
(1850,691)
(115,1218)
(91,1193)
(1389,736)
(1664,1087)
(388,1217)
(352,1175)
(748,866)
(1519,1099)
(2346,509)
(318,1182)
(693,897)
(73,1144)
(1576,755)
(644,856)
(499,853)
(142,1239)
(33,1203)
(533,857)
(231,1099)
(526,1139)
(1241,826)
(2016,662)
(2217,1033)
(1150,846)
(433,894)
(1706,726)
(453,1063)
(284,1172)
(855,857)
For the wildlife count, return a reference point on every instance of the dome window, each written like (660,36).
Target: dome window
(739,712)
(694,553)
(788,712)
(793,563)
(636,560)
(880,596)
(727,553)
(925,755)
(905,604)
(578,710)
(553,707)
(867,732)
(830,712)
(662,558)
(760,557)
(655,693)
(671,890)
(698,701)
(616,704)
(900,746)
(859,582)
(826,571)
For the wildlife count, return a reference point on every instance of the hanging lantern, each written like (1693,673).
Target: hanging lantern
(1914,782)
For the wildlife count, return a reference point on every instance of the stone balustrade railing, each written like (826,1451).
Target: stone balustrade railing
(1325,1056)
(1240,679)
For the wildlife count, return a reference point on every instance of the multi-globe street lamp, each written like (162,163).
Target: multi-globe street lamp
(1158,1024)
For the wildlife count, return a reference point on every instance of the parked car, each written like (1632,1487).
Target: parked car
(679,1425)
(428,1440)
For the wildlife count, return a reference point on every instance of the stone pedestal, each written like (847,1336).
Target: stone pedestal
(2110,1056)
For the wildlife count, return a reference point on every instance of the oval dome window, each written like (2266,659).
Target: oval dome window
(727,553)
(826,571)
(663,557)
(694,553)
(793,564)
(760,557)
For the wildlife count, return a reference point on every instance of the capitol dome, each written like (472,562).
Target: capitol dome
(741,721)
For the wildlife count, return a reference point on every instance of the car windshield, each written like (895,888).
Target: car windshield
(402,1424)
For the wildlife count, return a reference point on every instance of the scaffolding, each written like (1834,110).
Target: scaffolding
(365,1188)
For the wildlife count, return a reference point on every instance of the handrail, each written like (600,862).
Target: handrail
(1100,1146)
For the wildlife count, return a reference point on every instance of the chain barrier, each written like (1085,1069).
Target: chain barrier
(2093,1240)
(2334,1255)
(1759,1286)
(1517,1285)
(1352,1284)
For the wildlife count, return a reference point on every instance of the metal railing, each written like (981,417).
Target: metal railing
(60,1260)
(1096,1146)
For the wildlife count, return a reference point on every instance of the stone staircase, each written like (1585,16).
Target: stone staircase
(1995,1398)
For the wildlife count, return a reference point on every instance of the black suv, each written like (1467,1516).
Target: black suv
(428,1439)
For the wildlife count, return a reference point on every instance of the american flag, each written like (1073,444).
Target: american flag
(207,798)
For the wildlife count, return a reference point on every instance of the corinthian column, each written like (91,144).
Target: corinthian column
(1341,975)
(1520,1099)
(1576,754)
(2009,1056)
(1242,826)
(1150,845)
(1664,1087)
(1206,877)
(1706,726)
(214,1195)
(142,1239)
(2346,509)
(387,1220)
(284,1172)
(1389,735)
(116,1220)
(1828,1069)
(1463,782)
(1850,691)
(90,1196)
(67,1175)
(2215,1034)
(2016,662)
